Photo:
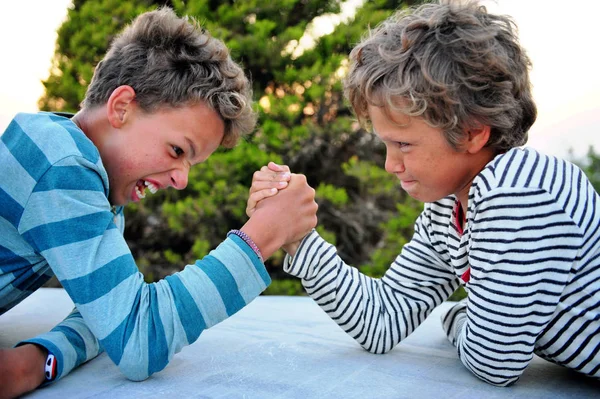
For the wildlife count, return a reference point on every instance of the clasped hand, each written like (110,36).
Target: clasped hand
(275,187)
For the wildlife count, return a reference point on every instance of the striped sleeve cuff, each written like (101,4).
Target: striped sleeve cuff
(71,342)
(312,250)
(255,258)
(453,321)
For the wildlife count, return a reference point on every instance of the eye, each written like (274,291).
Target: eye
(178,151)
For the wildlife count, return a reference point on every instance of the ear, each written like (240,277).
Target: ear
(120,105)
(477,138)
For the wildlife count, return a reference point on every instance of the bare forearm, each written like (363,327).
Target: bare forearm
(21,370)
(265,238)
(291,248)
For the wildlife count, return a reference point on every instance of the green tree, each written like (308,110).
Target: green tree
(591,167)
(304,122)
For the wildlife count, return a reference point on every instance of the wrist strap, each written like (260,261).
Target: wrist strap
(248,241)
(50,367)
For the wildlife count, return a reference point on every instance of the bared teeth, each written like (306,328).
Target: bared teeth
(151,186)
(140,188)
(141,194)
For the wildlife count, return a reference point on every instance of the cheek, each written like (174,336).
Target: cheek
(127,164)
(133,167)
(145,158)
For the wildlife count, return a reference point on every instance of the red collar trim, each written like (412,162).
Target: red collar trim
(466,276)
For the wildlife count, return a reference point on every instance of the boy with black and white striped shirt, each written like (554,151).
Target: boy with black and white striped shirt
(446,88)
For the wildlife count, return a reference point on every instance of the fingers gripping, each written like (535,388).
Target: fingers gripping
(265,183)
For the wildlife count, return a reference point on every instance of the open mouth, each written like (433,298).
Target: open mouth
(142,185)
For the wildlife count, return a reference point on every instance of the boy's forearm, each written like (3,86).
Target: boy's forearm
(265,238)
(33,357)
(292,248)
(66,340)
(21,370)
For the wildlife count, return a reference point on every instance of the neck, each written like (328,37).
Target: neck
(90,122)
(480,161)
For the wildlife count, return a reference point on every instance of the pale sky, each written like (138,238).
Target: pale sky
(560,37)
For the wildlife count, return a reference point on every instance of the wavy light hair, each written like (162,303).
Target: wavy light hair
(173,62)
(453,64)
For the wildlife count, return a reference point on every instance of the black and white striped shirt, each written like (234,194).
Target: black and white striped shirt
(532,243)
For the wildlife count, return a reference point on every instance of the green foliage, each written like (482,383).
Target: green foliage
(327,235)
(285,286)
(336,196)
(200,249)
(373,180)
(398,230)
(81,44)
(591,167)
(172,257)
(459,294)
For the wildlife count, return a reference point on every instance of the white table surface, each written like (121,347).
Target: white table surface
(287,347)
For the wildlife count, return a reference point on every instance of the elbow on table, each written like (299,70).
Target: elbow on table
(376,349)
(499,381)
(135,373)
(140,370)
(504,382)
(137,364)
(501,373)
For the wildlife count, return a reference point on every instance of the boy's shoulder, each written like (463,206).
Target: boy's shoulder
(45,144)
(44,154)
(526,170)
(51,136)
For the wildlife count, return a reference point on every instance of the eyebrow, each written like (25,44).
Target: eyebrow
(192,148)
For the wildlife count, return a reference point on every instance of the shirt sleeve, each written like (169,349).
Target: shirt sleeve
(71,342)
(141,326)
(377,313)
(523,249)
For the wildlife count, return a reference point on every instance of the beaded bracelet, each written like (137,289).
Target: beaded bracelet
(248,241)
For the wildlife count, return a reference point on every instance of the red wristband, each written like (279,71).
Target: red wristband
(50,367)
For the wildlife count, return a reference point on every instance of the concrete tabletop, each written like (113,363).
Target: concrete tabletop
(287,347)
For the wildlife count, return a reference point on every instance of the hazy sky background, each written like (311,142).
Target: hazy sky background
(560,37)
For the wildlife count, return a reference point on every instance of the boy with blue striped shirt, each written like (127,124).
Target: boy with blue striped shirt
(446,88)
(164,97)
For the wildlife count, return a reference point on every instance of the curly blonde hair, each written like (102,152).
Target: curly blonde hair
(171,61)
(453,64)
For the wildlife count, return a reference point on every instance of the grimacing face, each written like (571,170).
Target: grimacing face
(154,151)
(419,155)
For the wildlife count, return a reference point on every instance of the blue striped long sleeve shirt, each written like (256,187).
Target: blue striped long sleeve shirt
(532,245)
(56,219)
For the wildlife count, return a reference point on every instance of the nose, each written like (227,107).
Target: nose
(179,178)
(393,161)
